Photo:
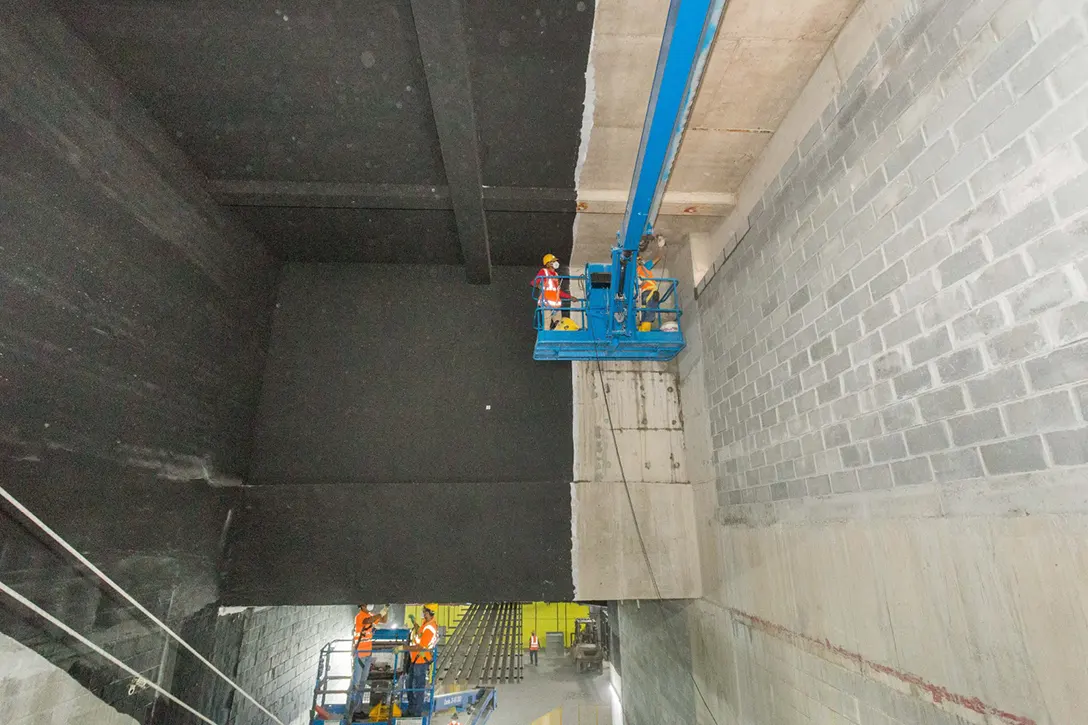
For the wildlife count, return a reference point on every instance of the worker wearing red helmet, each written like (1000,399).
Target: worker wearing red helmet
(550,293)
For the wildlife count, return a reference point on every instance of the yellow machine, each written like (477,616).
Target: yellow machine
(380,712)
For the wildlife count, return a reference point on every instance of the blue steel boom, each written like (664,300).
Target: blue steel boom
(610,329)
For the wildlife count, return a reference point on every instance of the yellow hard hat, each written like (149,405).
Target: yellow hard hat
(432,607)
(549,258)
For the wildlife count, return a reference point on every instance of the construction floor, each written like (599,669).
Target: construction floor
(584,697)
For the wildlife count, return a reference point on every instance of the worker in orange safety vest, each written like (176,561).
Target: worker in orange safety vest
(421,655)
(363,644)
(551,294)
(456,719)
(534,647)
(649,296)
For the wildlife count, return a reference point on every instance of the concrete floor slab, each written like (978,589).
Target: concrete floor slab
(583,698)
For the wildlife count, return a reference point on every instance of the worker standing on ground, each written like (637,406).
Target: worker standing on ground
(421,655)
(456,719)
(534,647)
(363,643)
(649,295)
(550,294)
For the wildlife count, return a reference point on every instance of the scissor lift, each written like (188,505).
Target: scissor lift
(611,307)
(387,685)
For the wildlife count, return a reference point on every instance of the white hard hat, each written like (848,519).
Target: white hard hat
(370,607)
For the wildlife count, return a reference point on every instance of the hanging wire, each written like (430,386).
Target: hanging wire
(71,632)
(129,598)
(634,516)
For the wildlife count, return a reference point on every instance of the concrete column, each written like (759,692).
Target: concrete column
(628,425)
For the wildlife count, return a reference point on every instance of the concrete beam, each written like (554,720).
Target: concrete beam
(243,192)
(443,45)
(679,203)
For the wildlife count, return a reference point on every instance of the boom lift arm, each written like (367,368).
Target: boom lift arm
(609,312)
(689,33)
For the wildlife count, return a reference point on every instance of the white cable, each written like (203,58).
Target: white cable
(117,588)
(57,623)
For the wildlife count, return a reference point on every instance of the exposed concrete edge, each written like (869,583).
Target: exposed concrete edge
(849,47)
(36,690)
(1028,494)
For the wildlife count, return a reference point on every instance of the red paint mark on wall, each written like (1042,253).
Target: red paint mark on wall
(936,693)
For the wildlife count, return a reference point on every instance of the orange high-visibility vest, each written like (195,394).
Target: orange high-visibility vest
(549,288)
(645,278)
(534,643)
(427,638)
(364,634)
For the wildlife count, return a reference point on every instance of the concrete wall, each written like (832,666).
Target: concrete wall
(33,690)
(889,384)
(628,425)
(132,336)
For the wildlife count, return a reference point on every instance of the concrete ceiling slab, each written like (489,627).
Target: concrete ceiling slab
(715,159)
(751,83)
(803,20)
(628,61)
(624,17)
(765,52)
(610,158)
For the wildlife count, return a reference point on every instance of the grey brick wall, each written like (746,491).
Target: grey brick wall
(910,303)
(277,663)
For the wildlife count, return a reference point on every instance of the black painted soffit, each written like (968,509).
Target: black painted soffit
(231,192)
(443,45)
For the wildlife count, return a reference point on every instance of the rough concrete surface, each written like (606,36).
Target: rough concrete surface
(764,54)
(643,412)
(883,397)
(33,691)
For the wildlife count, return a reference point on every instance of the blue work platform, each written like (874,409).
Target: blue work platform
(589,312)
(387,686)
(605,317)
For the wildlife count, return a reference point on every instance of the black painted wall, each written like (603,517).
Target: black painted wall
(384,374)
(320,91)
(133,325)
(380,473)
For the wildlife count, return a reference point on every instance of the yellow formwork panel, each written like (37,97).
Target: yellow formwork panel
(539,617)
(544,617)
(448,615)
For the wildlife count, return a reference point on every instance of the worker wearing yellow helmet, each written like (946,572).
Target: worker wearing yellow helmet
(421,656)
(549,293)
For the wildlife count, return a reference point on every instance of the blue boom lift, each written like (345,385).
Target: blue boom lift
(607,314)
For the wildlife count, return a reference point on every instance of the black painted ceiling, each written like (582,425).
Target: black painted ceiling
(304,94)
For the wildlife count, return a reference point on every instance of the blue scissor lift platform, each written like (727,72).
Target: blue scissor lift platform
(387,685)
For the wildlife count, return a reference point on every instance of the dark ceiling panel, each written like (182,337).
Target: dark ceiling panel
(390,236)
(297,90)
(440,28)
(529,65)
(522,238)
